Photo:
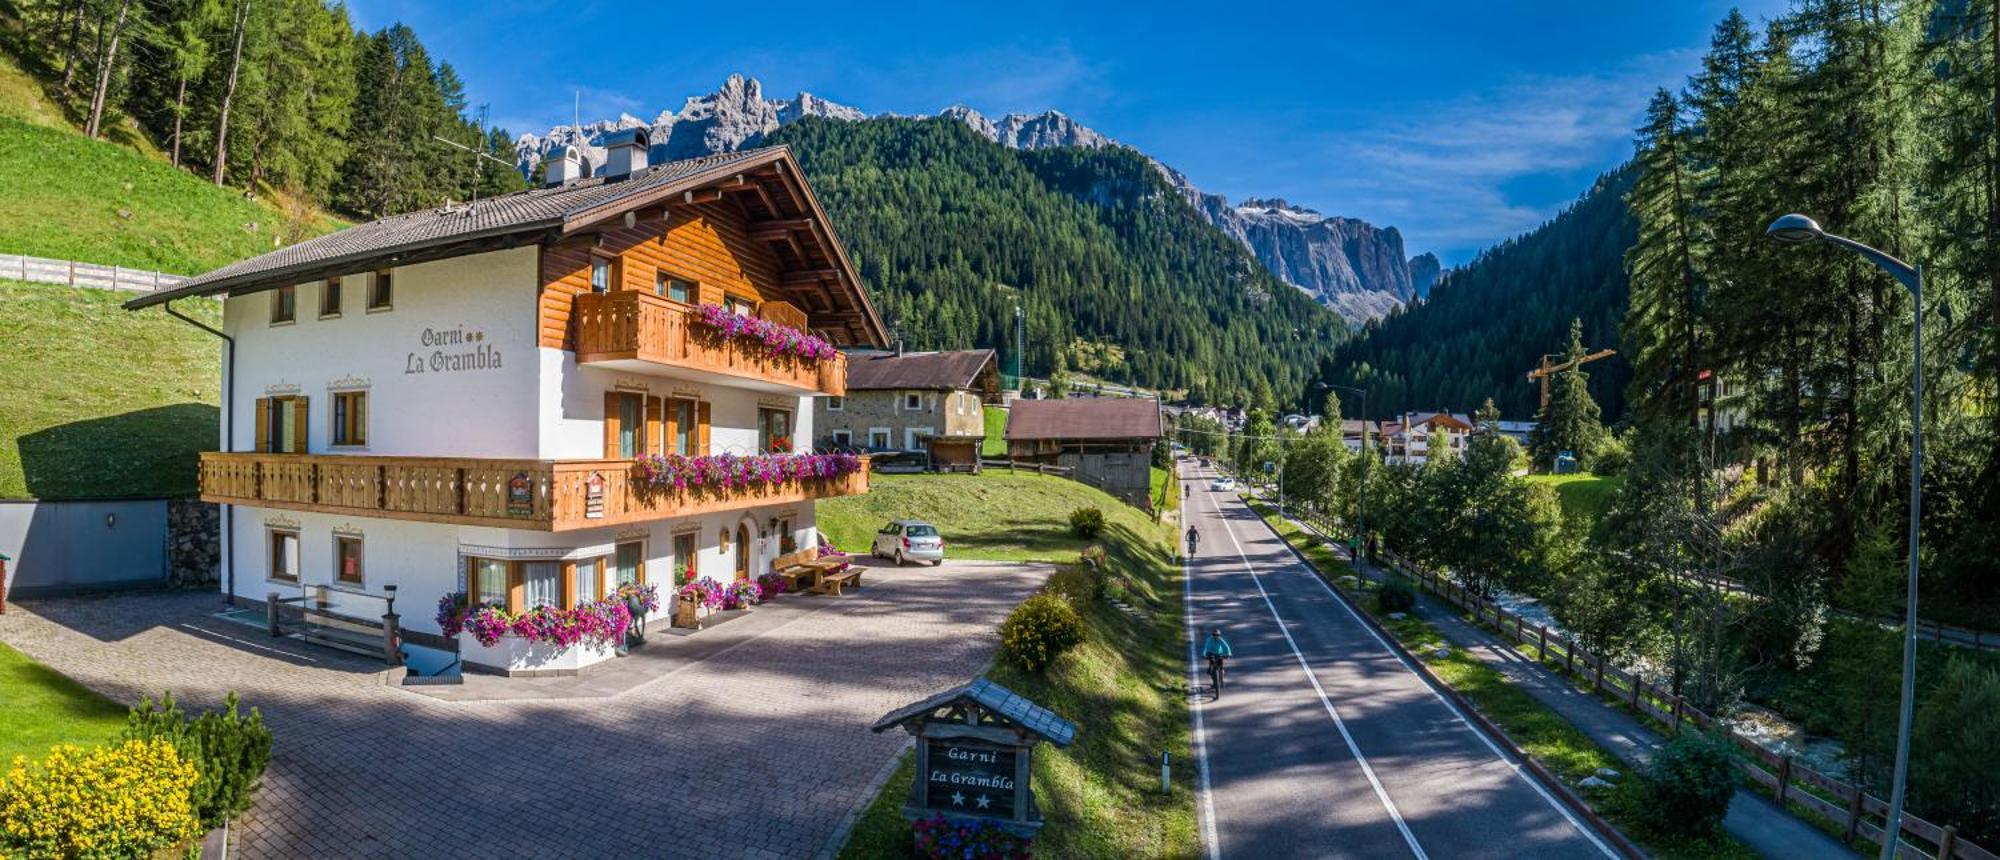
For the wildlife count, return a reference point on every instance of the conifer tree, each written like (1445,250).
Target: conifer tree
(1571,420)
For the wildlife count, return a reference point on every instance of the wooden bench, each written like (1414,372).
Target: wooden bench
(834,577)
(801,569)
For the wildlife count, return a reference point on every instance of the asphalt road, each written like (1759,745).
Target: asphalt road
(1323,743)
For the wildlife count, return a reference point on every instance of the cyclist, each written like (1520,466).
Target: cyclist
(1193,539)
(1216,650)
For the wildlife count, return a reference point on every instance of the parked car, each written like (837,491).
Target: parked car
(907,540)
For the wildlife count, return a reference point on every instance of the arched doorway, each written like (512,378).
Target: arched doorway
(742,552)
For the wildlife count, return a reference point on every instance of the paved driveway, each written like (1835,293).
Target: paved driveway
(755,745)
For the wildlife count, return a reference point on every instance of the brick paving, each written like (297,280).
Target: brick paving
(757,749)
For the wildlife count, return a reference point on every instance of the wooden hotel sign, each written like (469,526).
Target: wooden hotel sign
(974,747)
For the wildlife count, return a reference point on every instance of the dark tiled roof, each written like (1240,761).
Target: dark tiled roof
(999,700)
(521,212)
(959,369)
(1084,418)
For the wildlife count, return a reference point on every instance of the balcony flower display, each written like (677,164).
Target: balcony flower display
(778,340)
(735,472)
(600,622)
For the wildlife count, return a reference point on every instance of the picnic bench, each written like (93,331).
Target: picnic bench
(820,569)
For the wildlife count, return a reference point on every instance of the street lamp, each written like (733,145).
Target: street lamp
(1798,229)
(1366,471)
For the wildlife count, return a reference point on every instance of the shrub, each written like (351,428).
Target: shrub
(1077,583)
(939,837)
(127,800)
(228,751)
(1086,522)
(1395,595)
(1611,457)
(1040,630)
(1688,785)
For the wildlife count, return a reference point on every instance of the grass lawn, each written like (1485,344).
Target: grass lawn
(994,515)
(996,424)
(1584,496)
(102,402)
(1166,491)
(1125,686)
(1540,732)
(40,708)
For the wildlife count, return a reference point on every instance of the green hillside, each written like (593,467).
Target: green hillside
(1120,278)
(103,402)
(996,515)
(1487,322)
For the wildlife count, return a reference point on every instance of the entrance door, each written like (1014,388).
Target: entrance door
(742,553)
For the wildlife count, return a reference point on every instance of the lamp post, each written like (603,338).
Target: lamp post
(1797,229)
(1366,470)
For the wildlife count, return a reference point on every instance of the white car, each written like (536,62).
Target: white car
(1225,485)
(909,540)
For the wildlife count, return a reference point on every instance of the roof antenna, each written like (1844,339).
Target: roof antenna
(477,156)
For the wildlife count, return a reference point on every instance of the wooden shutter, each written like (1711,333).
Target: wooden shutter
(610,425)
(701,425)
(263,425)
(300,424)
(654,439)
(672,426)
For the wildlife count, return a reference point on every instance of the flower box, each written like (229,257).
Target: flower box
(514,655)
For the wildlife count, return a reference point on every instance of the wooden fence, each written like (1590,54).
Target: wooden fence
(1858,813)
(41,270)
(1019,466)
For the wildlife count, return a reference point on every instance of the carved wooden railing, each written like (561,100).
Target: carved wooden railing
(635,325)
(547,495)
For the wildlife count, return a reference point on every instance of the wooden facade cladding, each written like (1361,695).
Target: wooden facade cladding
(633,325)
(545,495)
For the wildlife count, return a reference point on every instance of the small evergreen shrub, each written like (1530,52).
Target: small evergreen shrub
(228,751)
(1395,595)
(1079,583)
(1040,630)
(125,800)
(1688,785)
(1086,522)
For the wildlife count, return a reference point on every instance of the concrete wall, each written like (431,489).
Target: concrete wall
(63,547)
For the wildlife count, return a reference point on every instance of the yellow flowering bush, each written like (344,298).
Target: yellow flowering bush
(126,800)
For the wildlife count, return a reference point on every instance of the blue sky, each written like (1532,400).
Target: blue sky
(1461,123)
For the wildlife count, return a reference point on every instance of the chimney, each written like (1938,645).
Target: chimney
(564,164)
(899,347)
(625,152)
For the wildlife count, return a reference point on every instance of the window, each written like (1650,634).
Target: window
(541,584)
(684,559)
(589,581)
(843,438)
(676,289)
(624,424)
(630,563)
(329,298)
(913,437)
(603,273)
(834,404)
(686,432)
(350,418)
(740,305)
(281,424)
(284,305)
(489,582)
(878,438)
(774,431)
(381,291)
(347,559)
(285,555)
(913,401)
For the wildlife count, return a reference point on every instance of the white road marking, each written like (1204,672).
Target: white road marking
(1204,794)
(1519,771)
(1368,770)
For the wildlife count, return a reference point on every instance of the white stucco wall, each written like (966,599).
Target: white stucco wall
(417,404)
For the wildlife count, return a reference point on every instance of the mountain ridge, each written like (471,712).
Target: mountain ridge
(1358,269)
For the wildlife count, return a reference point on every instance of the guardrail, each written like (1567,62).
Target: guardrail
(1857,812)
(42,270)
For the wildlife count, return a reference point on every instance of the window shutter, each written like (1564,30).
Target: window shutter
(610,425)
(672,426)
(701,422)
(300,424)
(654,439)
(263,424)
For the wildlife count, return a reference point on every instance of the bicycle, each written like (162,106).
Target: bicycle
(1215,674)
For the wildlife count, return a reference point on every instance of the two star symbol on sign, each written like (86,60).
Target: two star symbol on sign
(982,801)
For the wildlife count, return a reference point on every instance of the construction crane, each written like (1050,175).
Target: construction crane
(1547,370)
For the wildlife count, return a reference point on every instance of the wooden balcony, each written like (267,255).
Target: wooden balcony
(630,326)
(545,495)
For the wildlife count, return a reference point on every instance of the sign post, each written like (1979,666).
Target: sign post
(974,747)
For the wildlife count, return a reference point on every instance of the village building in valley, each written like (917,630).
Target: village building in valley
(928,402)
(1106,442)
(533,400)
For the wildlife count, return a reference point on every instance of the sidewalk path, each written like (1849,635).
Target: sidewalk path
(1757,820)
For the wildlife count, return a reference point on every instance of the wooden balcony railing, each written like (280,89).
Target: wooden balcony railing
(546,495)
(630,325)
